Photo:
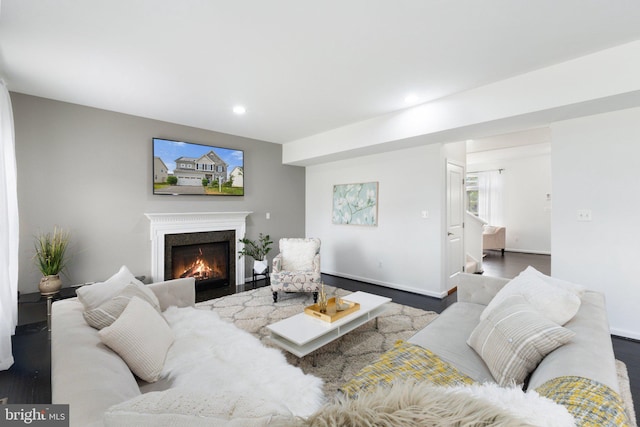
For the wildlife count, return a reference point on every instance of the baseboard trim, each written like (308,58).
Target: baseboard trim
(439,295)
(527,251)
(629,335)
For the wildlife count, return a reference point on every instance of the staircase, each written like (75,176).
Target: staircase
(473,243)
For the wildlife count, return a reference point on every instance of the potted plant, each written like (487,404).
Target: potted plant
(51,259)
(257,250)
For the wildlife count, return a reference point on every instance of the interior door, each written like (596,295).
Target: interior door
(455,221)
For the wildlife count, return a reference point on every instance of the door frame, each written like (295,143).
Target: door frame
(447,276)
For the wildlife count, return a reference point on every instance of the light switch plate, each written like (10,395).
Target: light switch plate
(584,214)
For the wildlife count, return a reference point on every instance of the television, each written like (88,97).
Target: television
(187,168)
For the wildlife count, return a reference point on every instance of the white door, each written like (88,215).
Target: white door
(455,218)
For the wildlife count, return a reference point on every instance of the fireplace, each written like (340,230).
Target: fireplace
(194,228)
(206,256)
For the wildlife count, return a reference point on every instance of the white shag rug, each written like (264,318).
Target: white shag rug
(211,354)
(419,404)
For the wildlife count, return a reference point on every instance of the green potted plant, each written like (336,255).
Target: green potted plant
(51,259)
(257,250)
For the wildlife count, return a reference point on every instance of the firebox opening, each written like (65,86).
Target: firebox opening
(207,263)
(206,256)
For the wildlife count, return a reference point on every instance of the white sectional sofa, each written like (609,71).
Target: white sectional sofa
(534,333)
(128,354)
(88,375)
(92,378)
(589,353)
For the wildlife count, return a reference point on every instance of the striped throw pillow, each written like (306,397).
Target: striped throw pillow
(107,313)
(514,338)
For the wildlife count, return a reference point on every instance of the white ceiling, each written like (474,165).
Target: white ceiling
(299,67)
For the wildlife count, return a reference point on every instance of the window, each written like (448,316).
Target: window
(471,185)
(485,195)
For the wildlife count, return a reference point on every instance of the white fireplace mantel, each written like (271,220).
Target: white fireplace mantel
(193,222)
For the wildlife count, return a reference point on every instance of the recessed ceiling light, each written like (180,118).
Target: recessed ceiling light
(411,99)
(239,109)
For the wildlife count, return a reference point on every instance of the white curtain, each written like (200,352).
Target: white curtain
(490,197)
(8,230)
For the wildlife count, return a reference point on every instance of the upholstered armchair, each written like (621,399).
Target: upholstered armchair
(493,238)
(297,267)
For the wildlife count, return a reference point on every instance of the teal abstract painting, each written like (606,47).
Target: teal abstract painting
(355,204)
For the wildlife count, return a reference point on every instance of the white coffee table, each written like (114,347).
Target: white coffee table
(302,334)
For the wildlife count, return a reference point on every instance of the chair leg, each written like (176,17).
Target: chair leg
(275,296)
(315,297)
(502,251)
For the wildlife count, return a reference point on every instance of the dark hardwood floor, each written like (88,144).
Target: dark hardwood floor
(29,379)
(512,263)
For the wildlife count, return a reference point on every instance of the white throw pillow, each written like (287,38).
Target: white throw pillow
(91,296)
(298,254)
(555,302)
(141,337)
(514,338)
(571,287)
(107,313)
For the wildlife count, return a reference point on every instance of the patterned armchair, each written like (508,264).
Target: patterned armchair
(297,267)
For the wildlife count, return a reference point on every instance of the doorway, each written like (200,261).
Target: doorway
(455,221)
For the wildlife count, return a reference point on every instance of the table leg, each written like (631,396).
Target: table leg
(49,299)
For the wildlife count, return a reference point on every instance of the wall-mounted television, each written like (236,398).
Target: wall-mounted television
(187,168)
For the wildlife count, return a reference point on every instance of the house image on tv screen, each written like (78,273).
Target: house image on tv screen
(191,171)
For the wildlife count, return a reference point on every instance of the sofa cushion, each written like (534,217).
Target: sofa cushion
(447,337)
(591,346)
(514,338)
(106,313)
(91,296)
(557,303)
(141,337)
(184,407)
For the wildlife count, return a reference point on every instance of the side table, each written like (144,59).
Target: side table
(34,308)
(49,298)
(264,275)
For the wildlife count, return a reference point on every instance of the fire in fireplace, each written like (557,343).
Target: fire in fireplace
(205,256)
(207,261)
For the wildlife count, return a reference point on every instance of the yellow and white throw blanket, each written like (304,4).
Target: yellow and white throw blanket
(591,403)
(405,361)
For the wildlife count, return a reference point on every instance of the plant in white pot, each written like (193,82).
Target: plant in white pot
(50,258)
(257,250)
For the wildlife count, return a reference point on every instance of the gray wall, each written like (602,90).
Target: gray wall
(89,171)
